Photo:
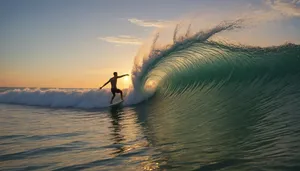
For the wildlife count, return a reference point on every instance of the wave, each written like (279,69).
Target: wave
(140,72)
(195,61)
(191,62)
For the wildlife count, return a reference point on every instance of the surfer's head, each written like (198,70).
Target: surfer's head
(115,74)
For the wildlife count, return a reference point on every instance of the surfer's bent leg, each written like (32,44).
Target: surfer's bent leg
(120,91)
(113,91)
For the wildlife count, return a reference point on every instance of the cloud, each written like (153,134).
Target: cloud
(123,39)
(150,23)
(264,15)
(286,7)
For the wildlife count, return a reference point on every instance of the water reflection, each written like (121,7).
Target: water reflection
(116,113)
(130,137)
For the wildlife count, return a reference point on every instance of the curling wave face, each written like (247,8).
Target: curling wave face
(195,62)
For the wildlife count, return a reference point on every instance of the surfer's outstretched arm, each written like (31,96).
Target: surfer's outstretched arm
(104,84)
(123,75)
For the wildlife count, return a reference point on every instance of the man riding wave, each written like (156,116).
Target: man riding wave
(113,82)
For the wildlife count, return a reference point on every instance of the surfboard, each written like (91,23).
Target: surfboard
(116,103)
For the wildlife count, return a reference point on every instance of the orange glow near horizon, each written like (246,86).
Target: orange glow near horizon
(88,79)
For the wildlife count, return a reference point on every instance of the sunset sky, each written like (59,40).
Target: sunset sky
(79,43)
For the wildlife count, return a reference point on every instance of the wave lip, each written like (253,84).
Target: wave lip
(142,72)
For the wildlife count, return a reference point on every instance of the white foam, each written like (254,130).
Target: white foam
(57,98)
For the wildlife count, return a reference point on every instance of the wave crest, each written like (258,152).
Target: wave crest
(193,61)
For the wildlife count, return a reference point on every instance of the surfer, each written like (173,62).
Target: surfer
(114,89)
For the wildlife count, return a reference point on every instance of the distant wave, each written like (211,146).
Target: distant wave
(57,98)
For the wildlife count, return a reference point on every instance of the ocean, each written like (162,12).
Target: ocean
(197,104)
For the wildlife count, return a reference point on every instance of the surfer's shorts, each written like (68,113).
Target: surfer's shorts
(115,90)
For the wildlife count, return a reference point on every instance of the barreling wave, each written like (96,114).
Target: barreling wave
(192,62)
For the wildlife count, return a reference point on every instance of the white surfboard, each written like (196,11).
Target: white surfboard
(116,103)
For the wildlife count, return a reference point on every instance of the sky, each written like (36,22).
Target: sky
(79,44)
